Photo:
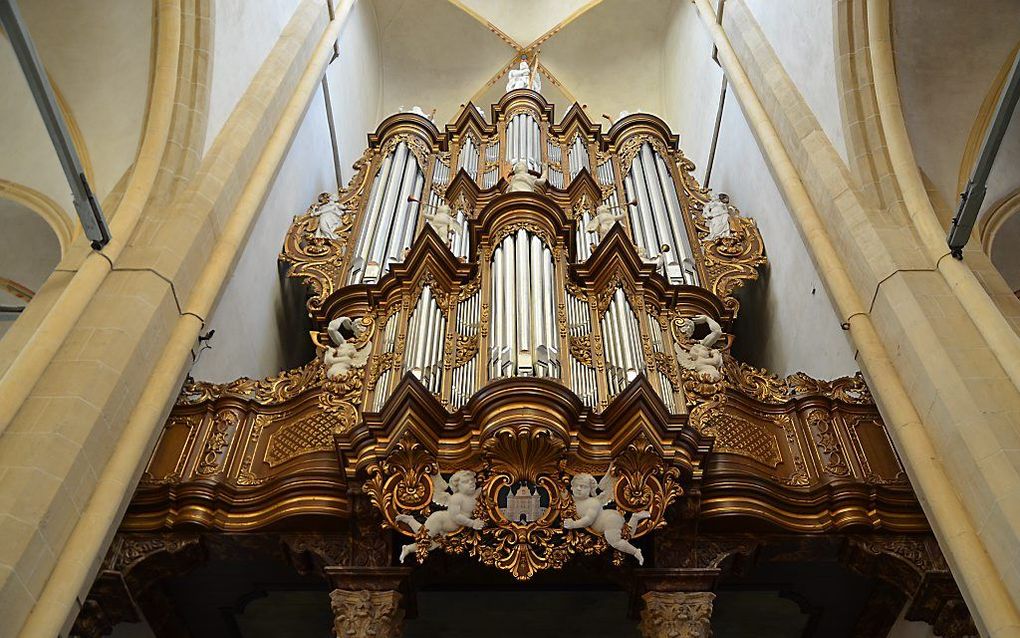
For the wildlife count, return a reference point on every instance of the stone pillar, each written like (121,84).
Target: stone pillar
(363,614)
(677,614)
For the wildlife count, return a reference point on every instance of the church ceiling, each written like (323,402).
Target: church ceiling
(601,53)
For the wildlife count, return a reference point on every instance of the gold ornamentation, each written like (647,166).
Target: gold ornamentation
(799,477)
(223,426)
(580,348)
(245,475)
(532,456)
(737,435)
(305,436)
(829,447)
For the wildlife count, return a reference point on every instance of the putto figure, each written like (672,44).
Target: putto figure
(604,220)
(702,358)
(591,500)
(459,506)
(521,181)
(343,356)
(443,221)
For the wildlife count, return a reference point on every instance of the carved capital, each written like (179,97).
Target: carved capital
(363,614)
(677,615)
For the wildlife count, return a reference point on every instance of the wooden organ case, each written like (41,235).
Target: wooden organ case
(577,329)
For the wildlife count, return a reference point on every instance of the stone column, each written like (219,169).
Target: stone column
(362,613)
(677,614)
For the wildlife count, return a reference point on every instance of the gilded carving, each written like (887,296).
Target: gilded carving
(529,464)
(304,436)
(831,450)
(738,435)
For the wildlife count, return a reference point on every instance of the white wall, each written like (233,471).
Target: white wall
(787,323)
(253,337)
(802,34)
(244,31)
(691,84)
(355,85)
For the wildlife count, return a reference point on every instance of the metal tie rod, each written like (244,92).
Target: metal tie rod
(89,211)
(974,195)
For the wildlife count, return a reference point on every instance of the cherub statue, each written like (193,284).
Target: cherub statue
(702,358)
(329,212)
(521,181)
(604,220)
(591,500)
(717,213)
(343,356)
(443,221)
(459,507)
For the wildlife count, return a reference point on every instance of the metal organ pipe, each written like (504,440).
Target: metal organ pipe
(622,342)
(651,184)
(523,323)
(390,219)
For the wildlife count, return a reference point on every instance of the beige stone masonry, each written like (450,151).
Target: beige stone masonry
(954,410)
(63,437)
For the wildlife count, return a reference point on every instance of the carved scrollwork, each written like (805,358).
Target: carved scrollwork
(530,464)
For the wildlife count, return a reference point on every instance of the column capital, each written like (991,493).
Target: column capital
(363,614)
(677,614)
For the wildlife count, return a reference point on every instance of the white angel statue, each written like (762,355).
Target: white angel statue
(344,355)
(443,221)
(702,358)
(521,181)
(460,504)
(604,220)
(591,500)
(717,213)
(330,214)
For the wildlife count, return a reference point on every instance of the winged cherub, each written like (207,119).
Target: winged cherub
(591,500)
(459,507)
(702,358)
(344,355)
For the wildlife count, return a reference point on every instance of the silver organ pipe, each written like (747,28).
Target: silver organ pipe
(523,136)
(390,218)
(665,386)
(555,155)
(489,178)
(577,158)
(621,336)
(464,376)
(426,335)
(657,219)
(524,340)
(582,376)
(389,344)
(468,159)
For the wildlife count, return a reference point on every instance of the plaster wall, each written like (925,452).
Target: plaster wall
(691,84)
(28,157)
(244,33)
(251,319)
(355,85)
(801,33)
(99,55)
(787,322)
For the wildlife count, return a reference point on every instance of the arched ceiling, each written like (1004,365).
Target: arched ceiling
(606,54)
(949,60)
(97,55)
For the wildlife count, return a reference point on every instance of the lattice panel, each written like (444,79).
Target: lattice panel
(305,436)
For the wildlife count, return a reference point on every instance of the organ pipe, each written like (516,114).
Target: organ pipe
(524,341)
(622,343)
(426,335)
(390,219)
(657,219)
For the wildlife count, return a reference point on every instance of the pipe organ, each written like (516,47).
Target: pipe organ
(529,286)
(515,335)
